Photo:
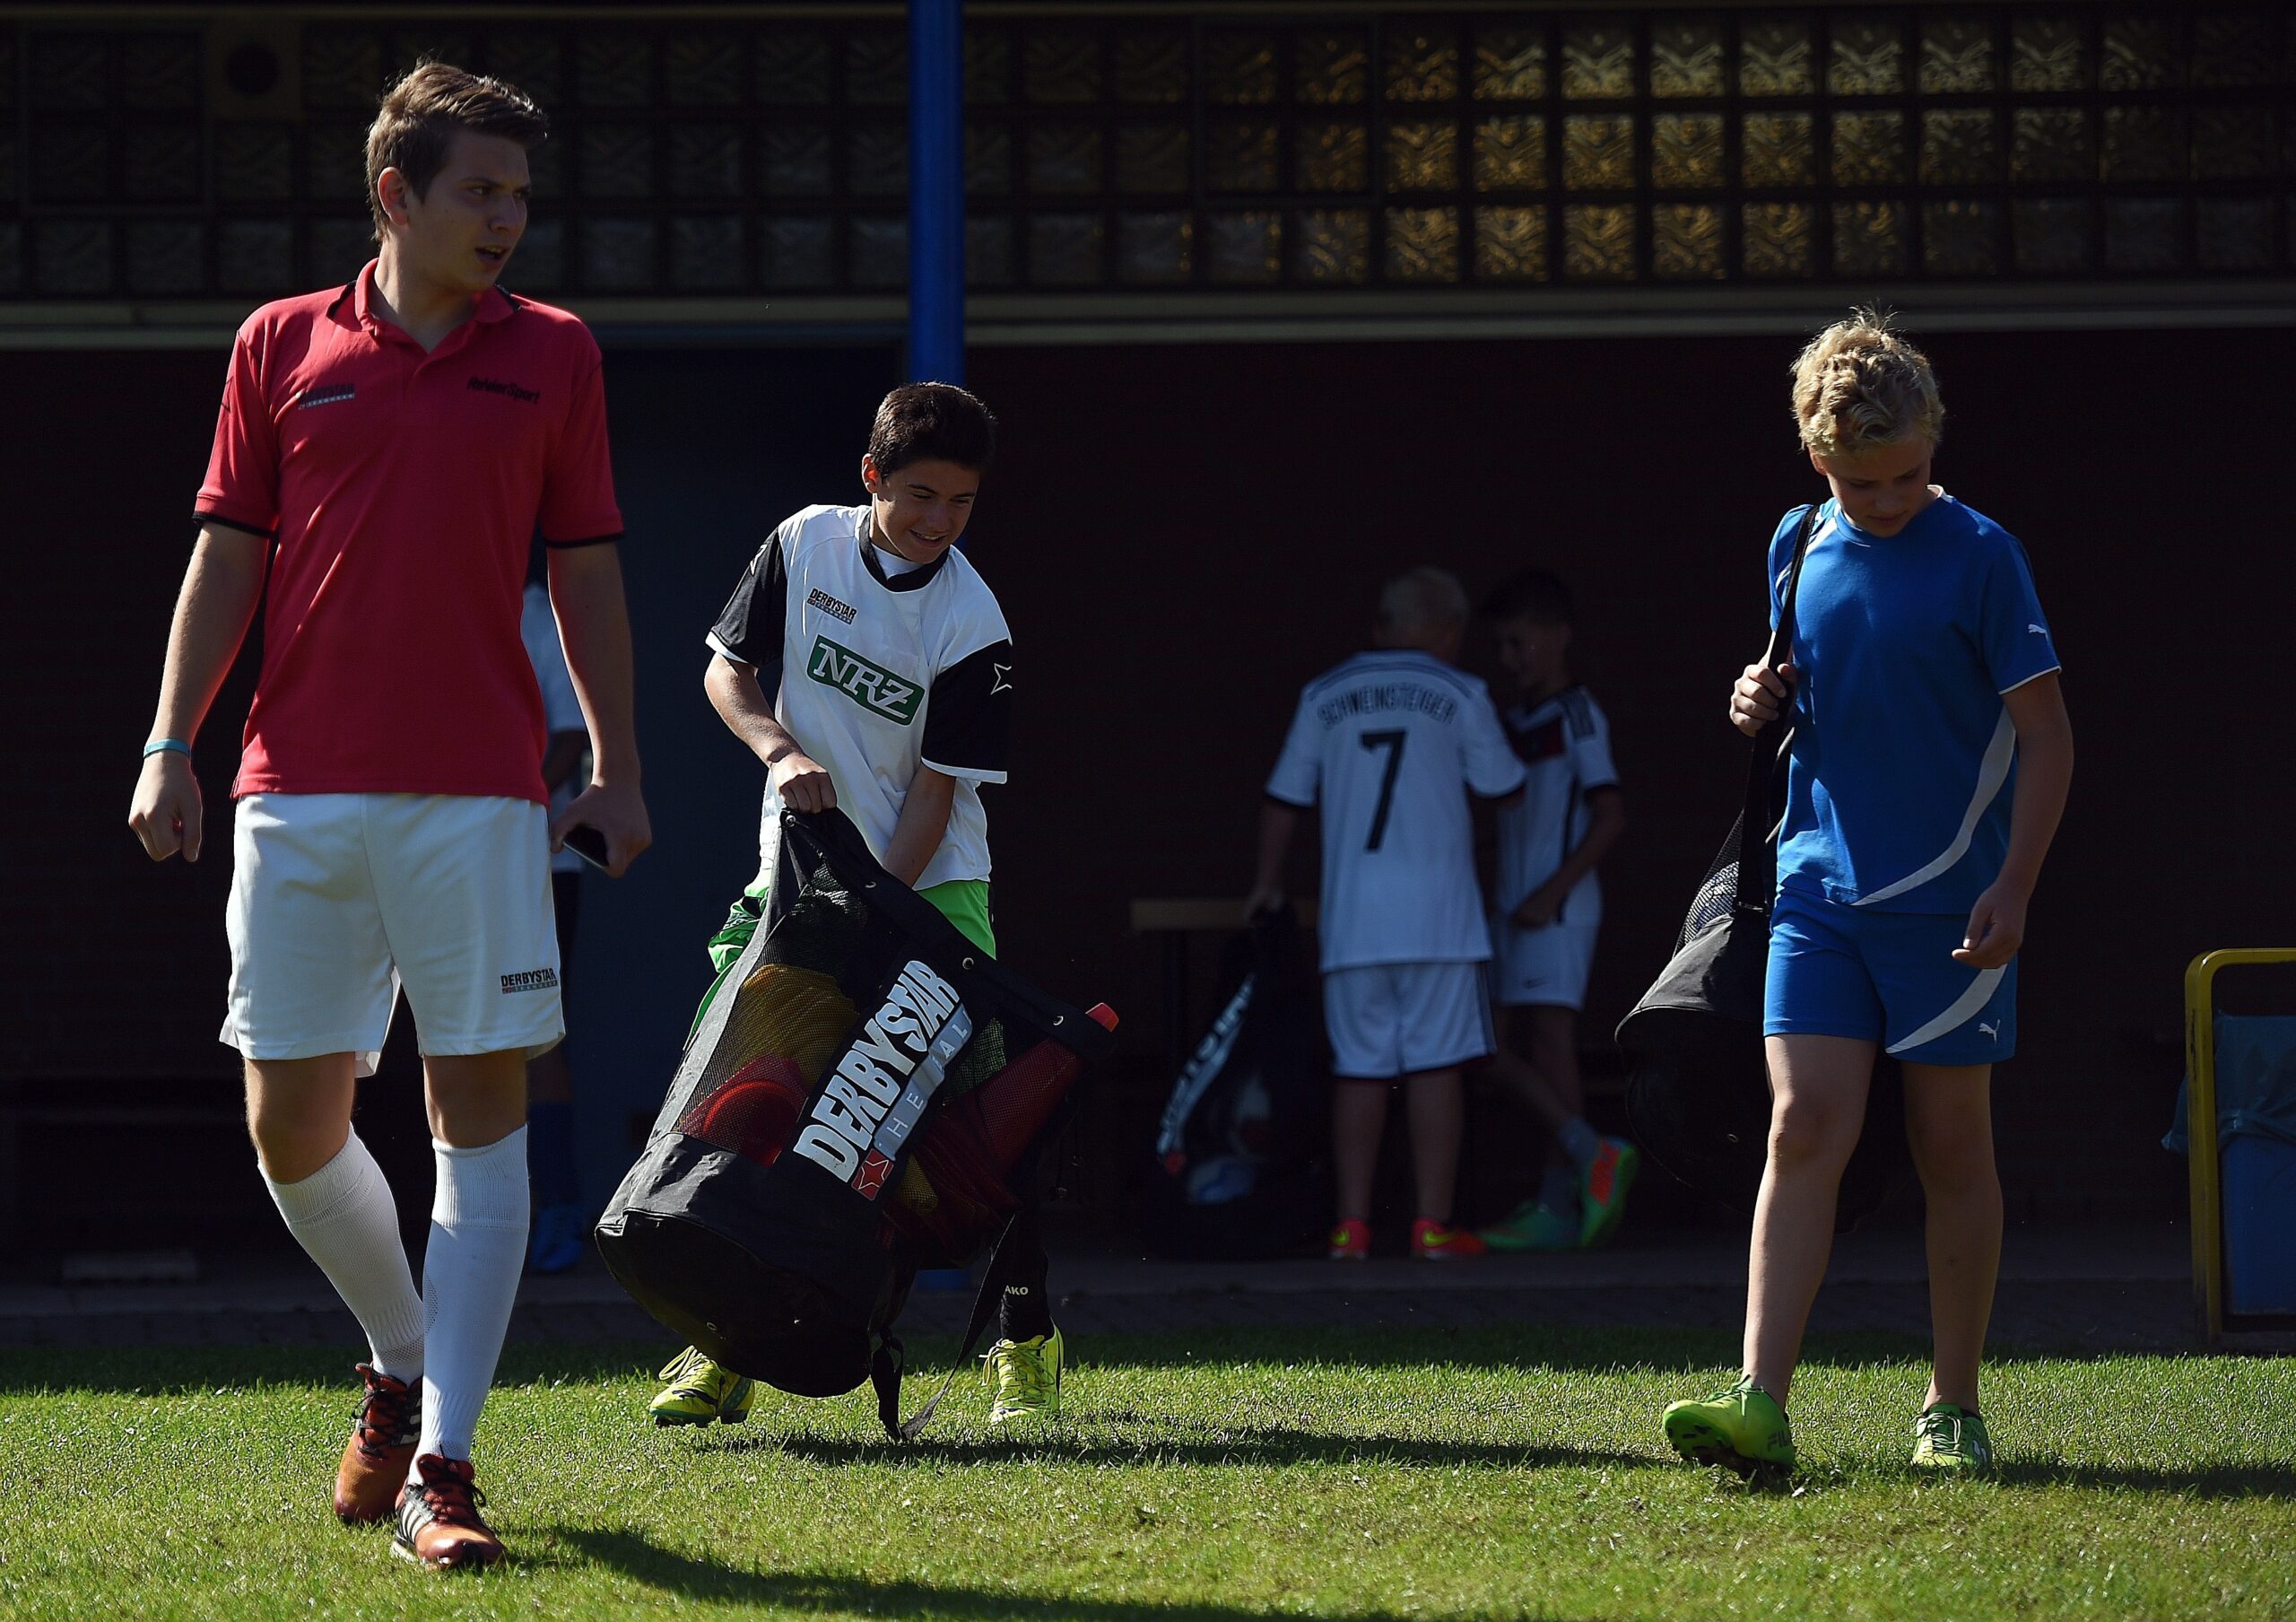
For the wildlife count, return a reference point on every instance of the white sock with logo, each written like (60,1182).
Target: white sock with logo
(343,1216)
(470,1282)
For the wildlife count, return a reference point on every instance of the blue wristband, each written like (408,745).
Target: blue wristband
(167,746)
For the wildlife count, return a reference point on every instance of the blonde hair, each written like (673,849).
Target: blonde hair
(1860,384)
(1422,601)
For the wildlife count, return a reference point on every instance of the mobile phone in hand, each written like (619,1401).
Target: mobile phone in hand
(589,843)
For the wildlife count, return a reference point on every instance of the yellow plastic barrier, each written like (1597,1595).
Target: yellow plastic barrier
(2200,1125)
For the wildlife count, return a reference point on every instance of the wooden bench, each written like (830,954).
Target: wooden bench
(1174,918)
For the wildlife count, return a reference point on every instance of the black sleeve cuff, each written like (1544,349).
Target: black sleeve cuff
(232,523)
(588,540)
(969,720)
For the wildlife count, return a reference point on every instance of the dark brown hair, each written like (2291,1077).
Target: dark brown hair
(417,121)
(1532,595)
(932,422)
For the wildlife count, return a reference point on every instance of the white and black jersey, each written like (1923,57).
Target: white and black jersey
(1389,745)
(879,666)
(1565,744)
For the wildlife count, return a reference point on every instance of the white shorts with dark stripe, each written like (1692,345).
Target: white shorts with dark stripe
(338,899)
(1389,1020)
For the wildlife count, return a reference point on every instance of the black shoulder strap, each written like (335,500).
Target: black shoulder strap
(885,1365)
(1753,821)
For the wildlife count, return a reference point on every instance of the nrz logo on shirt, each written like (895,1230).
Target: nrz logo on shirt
(872,686)
(332,395)
(530,980)
(829,605)
(497,386)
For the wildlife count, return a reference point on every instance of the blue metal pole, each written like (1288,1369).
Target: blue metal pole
(936,191)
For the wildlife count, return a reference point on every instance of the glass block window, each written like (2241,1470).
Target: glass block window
(1150,150)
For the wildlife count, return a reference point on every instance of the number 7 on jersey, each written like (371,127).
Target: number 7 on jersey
(1393,743)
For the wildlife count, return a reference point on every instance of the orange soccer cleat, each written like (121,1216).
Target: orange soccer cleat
(1431,1241)
(375,1460)
(439,1524)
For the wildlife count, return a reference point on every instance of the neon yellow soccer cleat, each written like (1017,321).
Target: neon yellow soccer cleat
(1951,1441)
(1027,1373)
(700,1390)
(1742,1427)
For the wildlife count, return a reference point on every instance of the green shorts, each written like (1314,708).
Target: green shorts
(963,902)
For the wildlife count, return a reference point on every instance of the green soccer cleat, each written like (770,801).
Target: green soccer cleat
(1602,1190)
(700,1390)
(1027,1373)
(1532,1226)
(1743,1429)
(1951,1441)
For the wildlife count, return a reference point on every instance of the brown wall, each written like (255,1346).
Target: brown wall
(1181,537)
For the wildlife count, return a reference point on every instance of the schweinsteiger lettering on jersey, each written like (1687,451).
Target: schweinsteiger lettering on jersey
(878,1088)
(1375,700)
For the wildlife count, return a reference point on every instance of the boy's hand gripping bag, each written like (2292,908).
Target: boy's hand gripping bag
(1698,1083)
(851,1107)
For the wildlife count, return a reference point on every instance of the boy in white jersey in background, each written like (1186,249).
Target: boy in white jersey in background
(866,663)
(1546,911)
(1388,744)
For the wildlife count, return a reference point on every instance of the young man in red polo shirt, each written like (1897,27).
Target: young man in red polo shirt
(388,449)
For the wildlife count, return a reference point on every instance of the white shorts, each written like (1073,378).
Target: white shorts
(1544,967)
(337,899)
(1399,1019)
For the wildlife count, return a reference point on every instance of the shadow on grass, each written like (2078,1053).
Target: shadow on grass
(1530,1351)
(633,1555)
(2275,1481)
(175,1371)
(163,1370)
(1182,1443)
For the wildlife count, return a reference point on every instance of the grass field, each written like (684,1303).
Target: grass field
(1220,1476)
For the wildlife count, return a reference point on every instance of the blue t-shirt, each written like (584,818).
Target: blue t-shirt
(1904,758)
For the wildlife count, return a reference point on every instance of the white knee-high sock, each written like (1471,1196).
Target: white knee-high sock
(470,1281)
(343,1216)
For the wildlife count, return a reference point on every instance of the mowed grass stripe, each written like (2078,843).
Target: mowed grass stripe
(1227,1475)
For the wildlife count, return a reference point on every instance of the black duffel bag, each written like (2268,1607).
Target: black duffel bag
(862,1098)
(1698,1094)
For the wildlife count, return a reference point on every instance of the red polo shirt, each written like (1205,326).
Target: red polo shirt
(404,490)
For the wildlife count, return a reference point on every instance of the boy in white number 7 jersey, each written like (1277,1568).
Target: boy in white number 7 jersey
(1390,744)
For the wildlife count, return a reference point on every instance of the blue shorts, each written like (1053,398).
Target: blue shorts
(1888,977)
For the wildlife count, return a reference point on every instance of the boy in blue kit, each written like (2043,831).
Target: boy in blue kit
(1930,760)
